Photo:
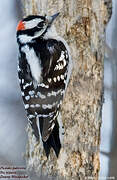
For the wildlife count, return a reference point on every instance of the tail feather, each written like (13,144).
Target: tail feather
(53,141)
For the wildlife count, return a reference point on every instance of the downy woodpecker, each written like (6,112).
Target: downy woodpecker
(44,70)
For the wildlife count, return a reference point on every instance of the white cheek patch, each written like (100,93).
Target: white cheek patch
(33,23)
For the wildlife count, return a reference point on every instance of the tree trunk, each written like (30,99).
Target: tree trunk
(82,24)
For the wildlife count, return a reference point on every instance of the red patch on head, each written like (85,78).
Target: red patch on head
(21,26)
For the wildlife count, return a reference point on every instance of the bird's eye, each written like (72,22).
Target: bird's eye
(41,24)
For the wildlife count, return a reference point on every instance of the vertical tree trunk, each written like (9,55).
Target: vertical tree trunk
(82,24)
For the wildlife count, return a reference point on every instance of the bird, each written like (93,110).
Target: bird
(44,71)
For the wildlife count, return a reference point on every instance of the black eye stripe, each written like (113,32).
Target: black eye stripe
(31,32)
(41,24)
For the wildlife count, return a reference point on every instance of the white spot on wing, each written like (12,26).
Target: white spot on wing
(22,81)
(64,63)
(41,95)
(62,77)
(56,67)
(46,115)
(43,85)
(27,97)
(27,85)
(48,106)
(58,78)
(59,66)
(37,105)
(31,93)
(61,57)
(49,80)
(32,106)
(54,79)
(54,93)
(26,106)
(61,62)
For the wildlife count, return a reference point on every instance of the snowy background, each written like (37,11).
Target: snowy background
(12,116)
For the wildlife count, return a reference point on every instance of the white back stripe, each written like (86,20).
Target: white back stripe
(33,61)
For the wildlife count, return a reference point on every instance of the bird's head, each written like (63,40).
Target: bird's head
(34,26)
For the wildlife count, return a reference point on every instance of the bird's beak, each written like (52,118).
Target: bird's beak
(54,16)
(50,19)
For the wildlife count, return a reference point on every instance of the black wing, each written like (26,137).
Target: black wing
(44,101)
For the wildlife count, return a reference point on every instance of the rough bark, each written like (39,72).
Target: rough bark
(82,24)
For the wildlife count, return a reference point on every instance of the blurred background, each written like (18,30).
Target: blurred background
(109,119)
(13,120)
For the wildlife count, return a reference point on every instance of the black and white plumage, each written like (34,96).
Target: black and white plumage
(44,69)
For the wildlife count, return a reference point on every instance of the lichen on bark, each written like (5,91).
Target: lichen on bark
(82,23)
